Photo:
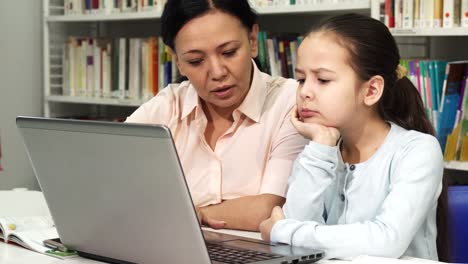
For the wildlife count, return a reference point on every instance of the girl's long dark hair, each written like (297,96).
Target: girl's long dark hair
(373,51)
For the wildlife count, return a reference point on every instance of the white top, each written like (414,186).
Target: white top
(385,206)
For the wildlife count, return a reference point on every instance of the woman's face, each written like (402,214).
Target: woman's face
(214,52)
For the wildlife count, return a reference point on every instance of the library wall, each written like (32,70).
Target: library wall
(20,85)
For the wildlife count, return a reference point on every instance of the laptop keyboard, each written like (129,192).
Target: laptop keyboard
(234,256)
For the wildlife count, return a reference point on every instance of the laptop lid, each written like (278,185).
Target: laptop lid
(90,173)
(117,193)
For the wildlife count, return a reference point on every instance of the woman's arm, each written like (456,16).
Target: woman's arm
(244,213)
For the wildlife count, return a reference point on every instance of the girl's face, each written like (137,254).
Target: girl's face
(214,52)
(329,90)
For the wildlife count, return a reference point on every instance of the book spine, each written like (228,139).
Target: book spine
(389,13)
(464,13)
(416,16)
(438,12)
(144,68)
(97,69)
(448,19)
(408,6)
(89,67)
(155,61)
(429,13)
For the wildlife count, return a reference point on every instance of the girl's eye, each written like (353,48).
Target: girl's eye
(194,62)
(301,81)
(323,81)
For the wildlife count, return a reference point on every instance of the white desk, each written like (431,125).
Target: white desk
(12,254)
(27,202)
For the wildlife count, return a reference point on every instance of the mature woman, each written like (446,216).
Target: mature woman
(229,120)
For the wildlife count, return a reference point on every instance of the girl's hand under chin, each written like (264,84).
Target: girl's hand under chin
(316,132)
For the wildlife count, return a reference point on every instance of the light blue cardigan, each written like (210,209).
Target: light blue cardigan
(385,206)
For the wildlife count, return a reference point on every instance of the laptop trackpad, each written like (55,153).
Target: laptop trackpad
(266,247)
(259,245)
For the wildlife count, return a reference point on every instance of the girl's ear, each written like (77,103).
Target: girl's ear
(177,61)
(373,90)
(253,39)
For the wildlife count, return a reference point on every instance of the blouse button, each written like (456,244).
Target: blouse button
(352,167)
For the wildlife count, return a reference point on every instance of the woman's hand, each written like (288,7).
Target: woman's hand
(266,226)
(318,133)
(204,220)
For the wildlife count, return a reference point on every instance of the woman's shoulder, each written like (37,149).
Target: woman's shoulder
(171,93)
(280,88)
(279,83)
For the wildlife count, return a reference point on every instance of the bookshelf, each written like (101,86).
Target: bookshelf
(58,26)
(434,43)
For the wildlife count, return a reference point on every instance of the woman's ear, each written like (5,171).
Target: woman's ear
(253,39)
(177,61)
(374,89)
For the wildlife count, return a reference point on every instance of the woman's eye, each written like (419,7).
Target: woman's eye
(229,52)
(300,81)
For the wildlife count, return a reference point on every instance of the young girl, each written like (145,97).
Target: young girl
(369,180)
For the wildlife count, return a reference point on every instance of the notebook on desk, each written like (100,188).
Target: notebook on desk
(117,193)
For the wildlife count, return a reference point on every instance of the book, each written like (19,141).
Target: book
(464,13)
(30,232)
(451,13)
(408,13)
(450,100)
(1,168)
(389,13)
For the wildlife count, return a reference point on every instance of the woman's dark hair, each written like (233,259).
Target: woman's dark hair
(179,12)
(373,51)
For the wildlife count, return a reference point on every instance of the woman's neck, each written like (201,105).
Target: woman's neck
(215,114)
(363,140)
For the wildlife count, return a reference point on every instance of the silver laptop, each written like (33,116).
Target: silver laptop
(117,193)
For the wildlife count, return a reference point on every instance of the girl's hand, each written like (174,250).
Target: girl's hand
(318,133)
(266,225)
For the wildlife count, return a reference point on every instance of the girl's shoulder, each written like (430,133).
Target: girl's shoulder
(410,142)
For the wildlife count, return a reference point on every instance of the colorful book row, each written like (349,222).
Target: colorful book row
(409,14)
(132,68)
(83,7)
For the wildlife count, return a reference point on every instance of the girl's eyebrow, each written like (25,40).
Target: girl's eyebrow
(298,70)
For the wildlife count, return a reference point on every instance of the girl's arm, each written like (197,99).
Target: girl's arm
(415,187)
(313,172)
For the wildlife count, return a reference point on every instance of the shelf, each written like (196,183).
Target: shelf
(294,9)
(92,100)
(430,32)
(457,165)
(270,10)
(104,17)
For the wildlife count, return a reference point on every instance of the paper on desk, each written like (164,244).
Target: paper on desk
(381,260)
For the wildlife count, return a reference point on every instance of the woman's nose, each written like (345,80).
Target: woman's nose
(218,70)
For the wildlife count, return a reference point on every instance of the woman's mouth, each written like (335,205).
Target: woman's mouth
(224,92)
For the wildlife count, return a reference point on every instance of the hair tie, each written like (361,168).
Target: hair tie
(401,72)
